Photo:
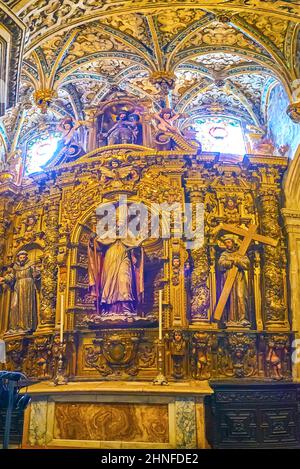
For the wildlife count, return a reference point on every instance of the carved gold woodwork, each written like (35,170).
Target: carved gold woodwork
(52,214)
(275,307)
(54,221)
(49,263)
(164,83)
(200,307)
(248,235)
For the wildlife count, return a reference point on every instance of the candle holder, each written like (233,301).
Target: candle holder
(60,377)
(160,378)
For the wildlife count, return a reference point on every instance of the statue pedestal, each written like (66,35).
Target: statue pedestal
(116,415)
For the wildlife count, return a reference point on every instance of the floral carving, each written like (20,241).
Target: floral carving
(49,264)
(200,299)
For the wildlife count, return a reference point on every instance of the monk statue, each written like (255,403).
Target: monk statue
(237,307)
(116,277)
(23,278)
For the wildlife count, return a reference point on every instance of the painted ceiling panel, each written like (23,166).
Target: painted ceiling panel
(221,53)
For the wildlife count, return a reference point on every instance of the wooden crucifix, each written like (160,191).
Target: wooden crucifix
(248,235)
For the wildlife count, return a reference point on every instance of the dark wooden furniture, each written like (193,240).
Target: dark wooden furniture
(16,431)
(253,415)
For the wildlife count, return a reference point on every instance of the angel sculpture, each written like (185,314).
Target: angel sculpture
(69,144)
(167,130)
(166,119)
(116,176)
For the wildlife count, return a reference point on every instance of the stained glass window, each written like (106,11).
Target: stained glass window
(220,134)
(39,151)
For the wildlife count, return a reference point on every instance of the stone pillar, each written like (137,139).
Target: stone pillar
(50,262)
(273,263)
(292,228)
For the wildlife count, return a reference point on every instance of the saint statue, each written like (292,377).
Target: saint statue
(23,279)
(68,128)
(237,307)
(116,277)
(127,129)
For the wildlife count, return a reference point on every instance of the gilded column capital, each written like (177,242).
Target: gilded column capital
(7,186)
(163,80)
(43,98)
(196,191)
(290,213)
(293,111)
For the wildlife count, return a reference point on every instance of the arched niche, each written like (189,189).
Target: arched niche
(80,302)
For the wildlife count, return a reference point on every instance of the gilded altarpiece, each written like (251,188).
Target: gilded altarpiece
(53,216)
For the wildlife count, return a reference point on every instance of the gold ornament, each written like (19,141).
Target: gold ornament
(293,111)
(44,98)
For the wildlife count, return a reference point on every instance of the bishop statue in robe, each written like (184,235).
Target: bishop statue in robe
(116,276)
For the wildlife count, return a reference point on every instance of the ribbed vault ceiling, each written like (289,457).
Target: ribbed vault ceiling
(226,56)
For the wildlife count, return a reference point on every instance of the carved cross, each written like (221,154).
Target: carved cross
(248,235)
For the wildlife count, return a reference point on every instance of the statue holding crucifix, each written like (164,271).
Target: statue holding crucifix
(234,262)
(237,307)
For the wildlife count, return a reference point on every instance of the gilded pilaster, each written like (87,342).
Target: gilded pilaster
(275,307)
(177,252)
(49,264)
(200,292)
(8,191)
(176,258)
(91,117)
(3,225)
(257,291)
